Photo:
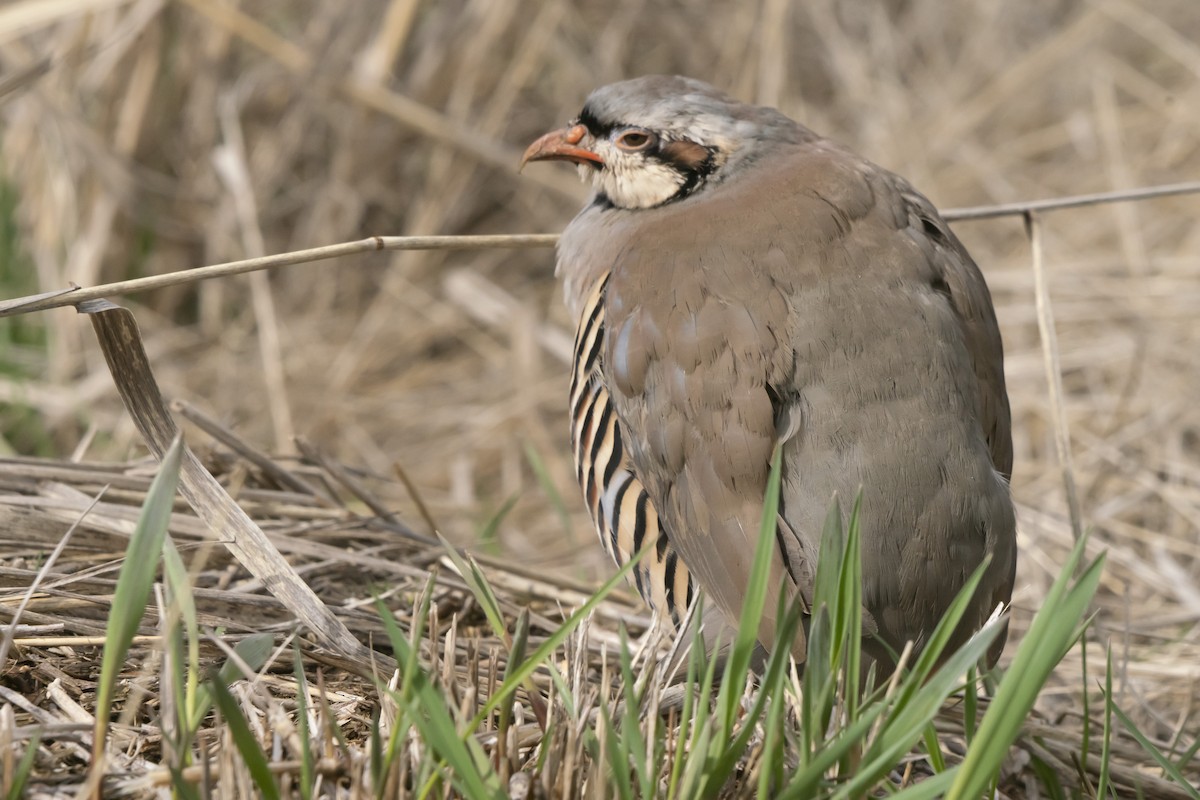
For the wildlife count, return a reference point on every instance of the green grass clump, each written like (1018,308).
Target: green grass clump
(779,733)
(632,729)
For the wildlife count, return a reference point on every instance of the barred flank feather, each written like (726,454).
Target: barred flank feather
(624,516)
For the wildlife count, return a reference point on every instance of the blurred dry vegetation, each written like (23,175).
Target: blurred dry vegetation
(146,136)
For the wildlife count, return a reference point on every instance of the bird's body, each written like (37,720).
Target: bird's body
(742,282)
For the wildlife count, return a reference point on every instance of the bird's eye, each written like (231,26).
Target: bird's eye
(633,140)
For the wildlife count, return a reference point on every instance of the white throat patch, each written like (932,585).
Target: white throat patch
(634,183)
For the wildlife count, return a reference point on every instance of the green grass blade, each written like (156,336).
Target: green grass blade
(971,706)
(412,663)
(850,611)
(428,709)
(919,694)
(247,746)
(20,776)
(179,584)
(1159,757)
(253,651)
(737,666)
(907,722)
(773,675)
(1054,626)
(480,588)
(173,703)
(720,761)
(770,770)
(825,633)
(634,741)
(1186,757)
(1102,787)
(686,728)
(835,629)
(516,655)
(930,788)
(770,702)
(804,781)
(181,787)
(1085,747)
(820,680)
(563,693)
(470,771)
(829,564)
(375,750)
(939,640)
(934,749)
(1049,778)
(307,762)
(546,482)
(695,776)
(134,582)
(489,533)
(695,781)
(617,751)
(555,640)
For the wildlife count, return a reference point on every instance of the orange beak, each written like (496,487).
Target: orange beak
(562,145)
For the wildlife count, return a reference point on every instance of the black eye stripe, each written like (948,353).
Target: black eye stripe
(693,161)
(595,127)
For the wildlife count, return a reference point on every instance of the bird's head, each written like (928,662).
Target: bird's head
(649,141)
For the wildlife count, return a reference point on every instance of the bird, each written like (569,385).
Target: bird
(742,284)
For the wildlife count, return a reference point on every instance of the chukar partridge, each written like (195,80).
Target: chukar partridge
(742,282)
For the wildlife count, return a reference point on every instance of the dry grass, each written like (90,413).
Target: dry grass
(147,136)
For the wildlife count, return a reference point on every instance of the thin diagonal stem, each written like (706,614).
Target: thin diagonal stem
(1045,318)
